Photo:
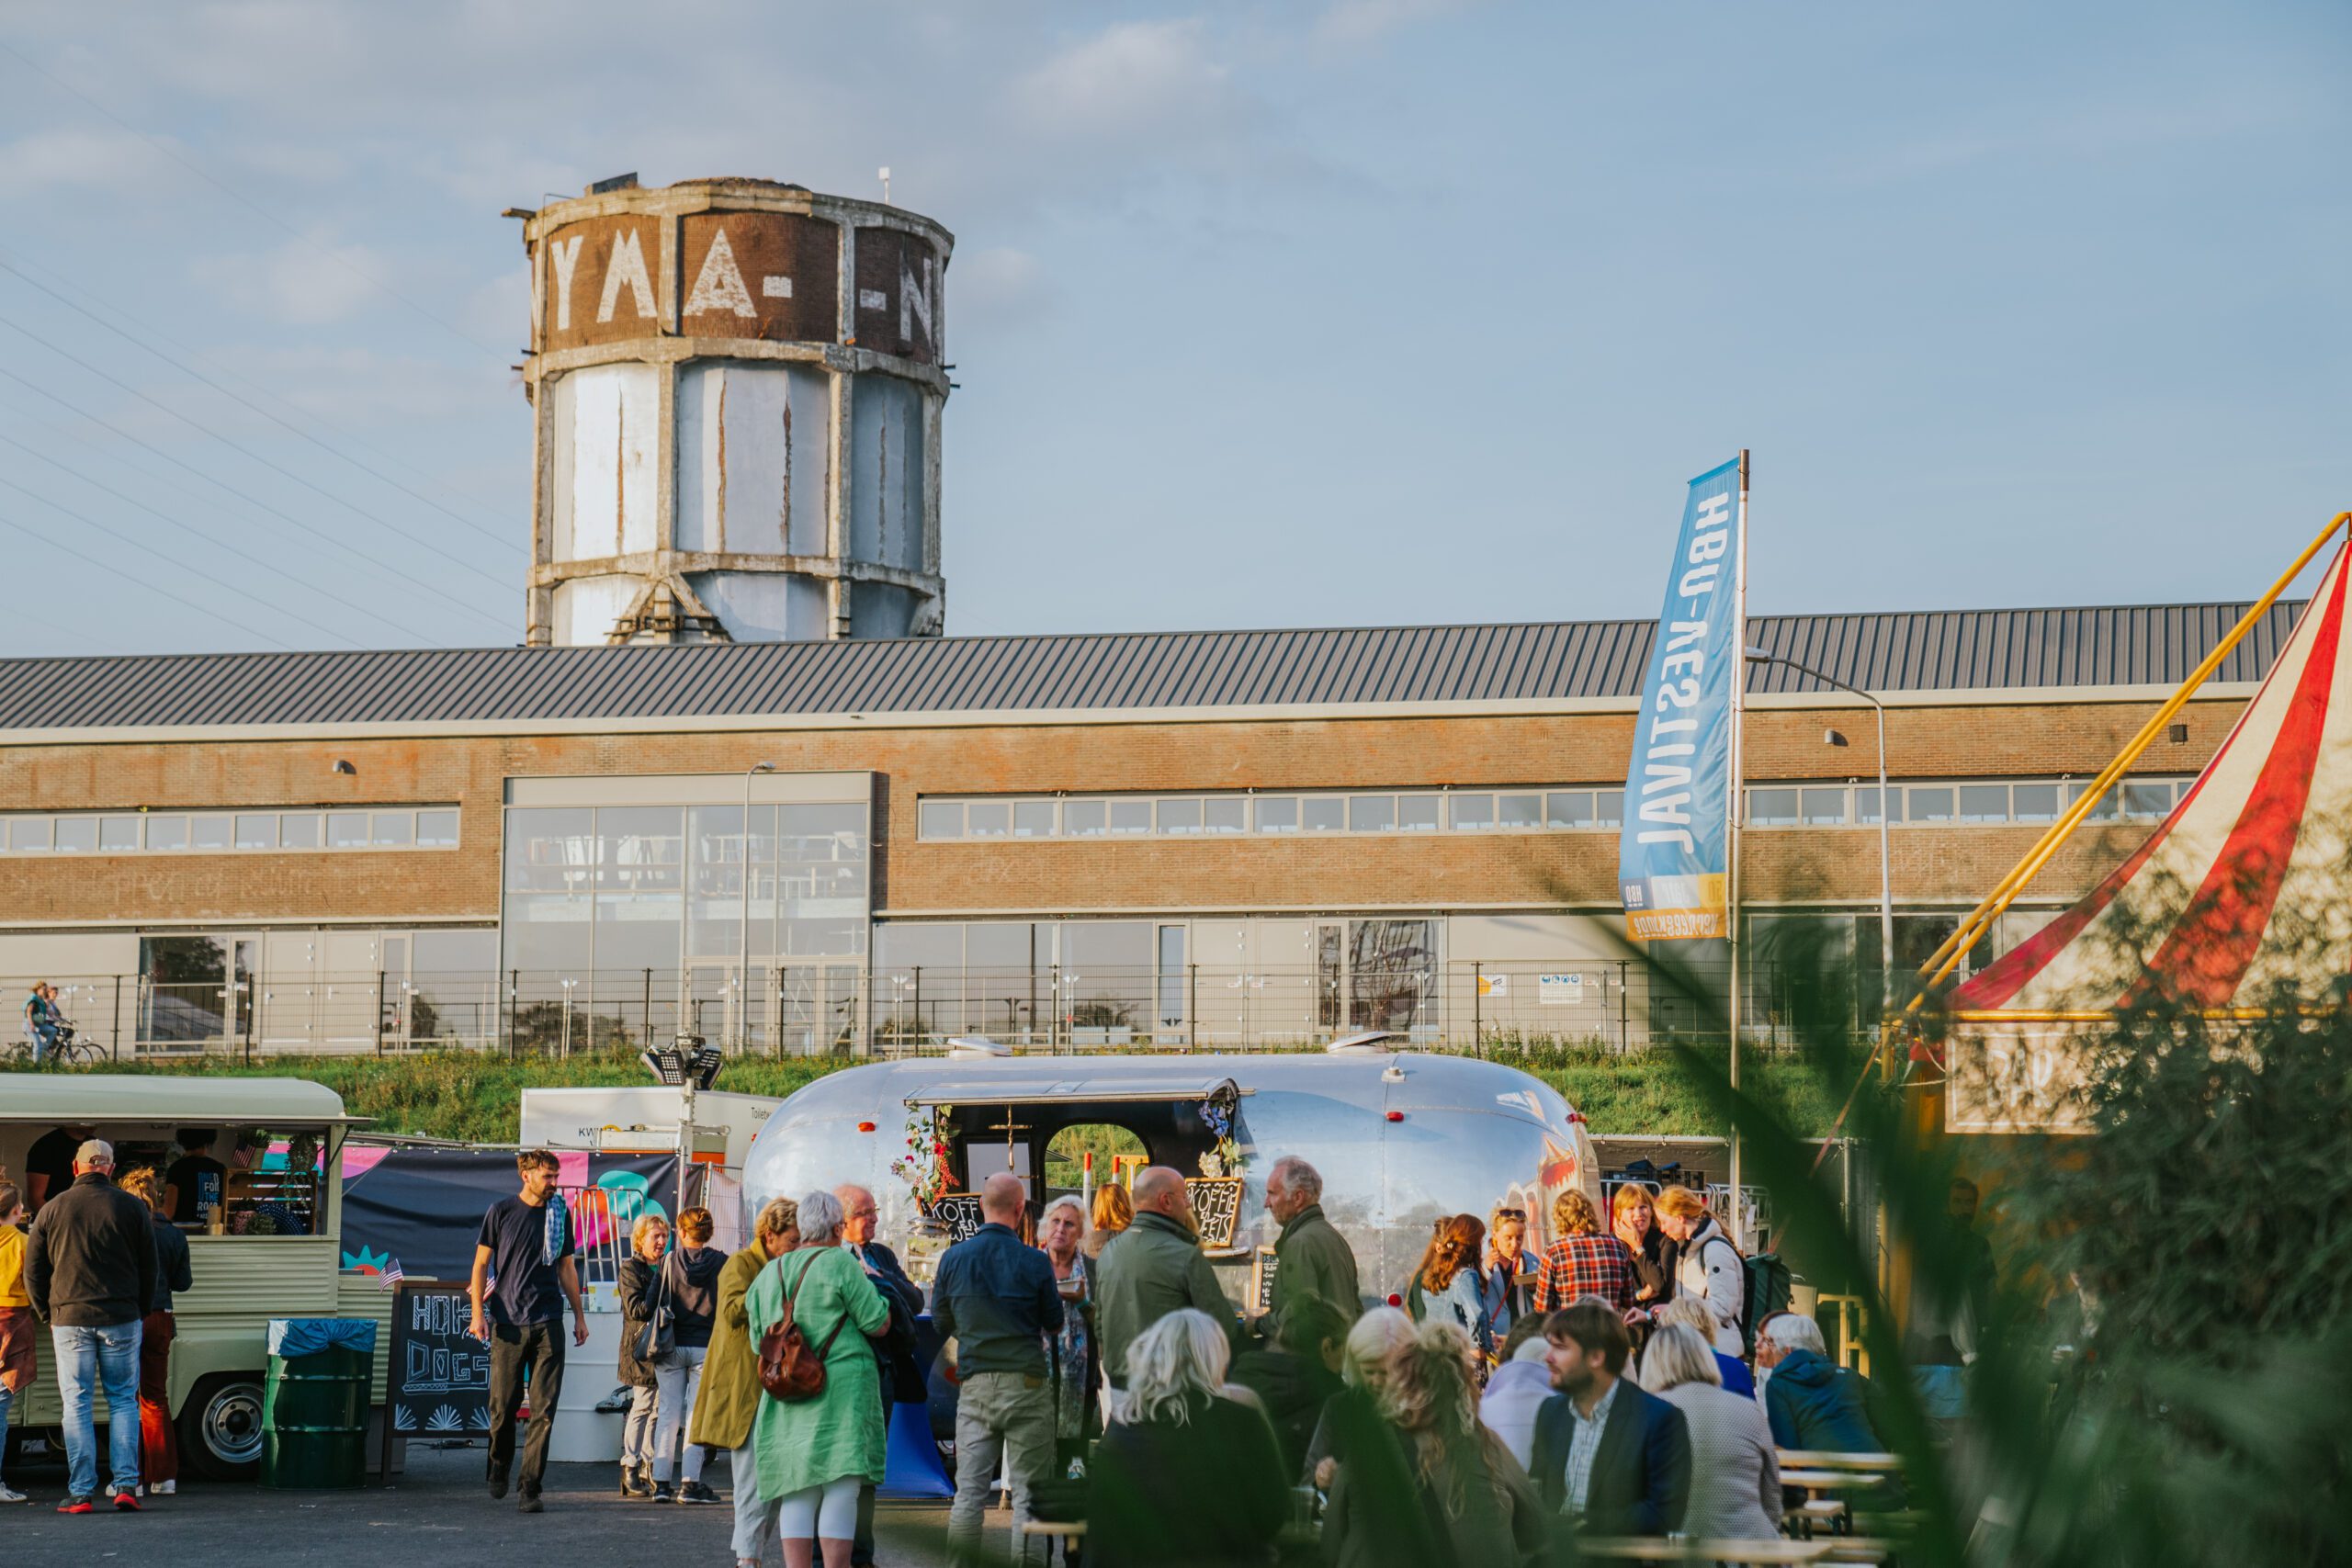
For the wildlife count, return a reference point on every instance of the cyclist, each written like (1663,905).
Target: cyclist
(41,1021)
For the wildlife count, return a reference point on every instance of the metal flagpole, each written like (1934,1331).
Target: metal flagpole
(1738,788)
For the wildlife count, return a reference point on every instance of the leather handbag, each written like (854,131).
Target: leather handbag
(791,1369)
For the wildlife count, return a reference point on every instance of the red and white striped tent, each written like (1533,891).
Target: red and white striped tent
(2238,894)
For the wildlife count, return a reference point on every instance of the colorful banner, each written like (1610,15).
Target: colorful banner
(1673,855)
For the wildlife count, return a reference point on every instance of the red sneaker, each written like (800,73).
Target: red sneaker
(125,1502)
(77,1505)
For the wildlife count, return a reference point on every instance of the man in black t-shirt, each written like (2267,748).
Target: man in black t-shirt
(196,1180)
(49,1164)
(524,1273)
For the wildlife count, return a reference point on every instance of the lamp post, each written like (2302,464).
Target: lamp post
(743,926)
(1885,874)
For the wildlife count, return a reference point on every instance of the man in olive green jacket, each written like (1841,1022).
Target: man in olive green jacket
(1310,1258)
(1151,1269)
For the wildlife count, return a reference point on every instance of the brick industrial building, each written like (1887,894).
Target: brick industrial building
(1151,839)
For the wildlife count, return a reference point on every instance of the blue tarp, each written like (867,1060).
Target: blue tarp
(912,1468)
(292,1336)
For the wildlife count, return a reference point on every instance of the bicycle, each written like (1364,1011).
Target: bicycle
(69,1049)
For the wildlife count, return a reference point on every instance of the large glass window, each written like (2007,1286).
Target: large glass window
(1323,813)
(1392,974)
(677,891)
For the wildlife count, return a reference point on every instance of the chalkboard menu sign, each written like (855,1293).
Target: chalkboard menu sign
(958,1213)
(1261,1280)
(437,1384)
(1216,1207)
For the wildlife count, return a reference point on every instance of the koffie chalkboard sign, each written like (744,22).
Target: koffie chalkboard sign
(437,1384)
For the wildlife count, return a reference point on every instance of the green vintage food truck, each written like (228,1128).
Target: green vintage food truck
(279,1253)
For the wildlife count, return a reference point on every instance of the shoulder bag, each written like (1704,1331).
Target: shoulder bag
(790,1368)
(658,1335)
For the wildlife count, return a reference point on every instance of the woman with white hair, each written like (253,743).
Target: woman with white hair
(1185,1478)
(1735,1470)
(812,1456)
(1379,1337)
(1061,1236)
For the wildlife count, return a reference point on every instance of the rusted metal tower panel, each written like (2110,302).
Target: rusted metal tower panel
(737,387)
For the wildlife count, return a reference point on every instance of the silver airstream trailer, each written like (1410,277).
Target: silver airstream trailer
(1401,1140)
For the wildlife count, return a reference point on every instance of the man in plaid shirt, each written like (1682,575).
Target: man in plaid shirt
(1585,1261)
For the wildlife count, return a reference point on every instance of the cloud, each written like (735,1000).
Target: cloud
(112,161)
(1355,23)
(1133,79)
(301,283)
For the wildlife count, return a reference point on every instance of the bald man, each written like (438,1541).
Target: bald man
(1152,1267)
(998,1297)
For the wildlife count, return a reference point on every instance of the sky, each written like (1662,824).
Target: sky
(1340,312)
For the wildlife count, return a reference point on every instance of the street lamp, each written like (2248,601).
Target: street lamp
(1885,875)
(743,927)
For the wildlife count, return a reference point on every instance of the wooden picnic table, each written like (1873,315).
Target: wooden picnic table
(1827,1459)
(1814,1481)
(1769,1551)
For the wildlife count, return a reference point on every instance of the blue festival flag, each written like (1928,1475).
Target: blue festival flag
(1673,856)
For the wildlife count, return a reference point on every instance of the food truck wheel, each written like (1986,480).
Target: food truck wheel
(221,1427)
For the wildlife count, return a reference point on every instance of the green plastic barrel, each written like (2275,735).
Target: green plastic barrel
(314,1420)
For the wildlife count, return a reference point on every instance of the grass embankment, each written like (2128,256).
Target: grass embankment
(477,1098)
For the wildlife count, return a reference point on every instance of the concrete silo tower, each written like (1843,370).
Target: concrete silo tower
(737,387)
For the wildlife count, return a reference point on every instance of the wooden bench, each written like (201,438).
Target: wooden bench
(1769,1551)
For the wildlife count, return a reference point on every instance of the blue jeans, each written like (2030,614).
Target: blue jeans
(107,1356)
(7,1397)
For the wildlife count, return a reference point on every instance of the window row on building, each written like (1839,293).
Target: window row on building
(1948,802)
(1547,809)
(226,833)
(1192,816)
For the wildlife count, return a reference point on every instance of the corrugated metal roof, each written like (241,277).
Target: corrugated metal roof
(1576,660)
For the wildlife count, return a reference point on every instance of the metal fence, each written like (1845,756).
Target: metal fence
(841,1007)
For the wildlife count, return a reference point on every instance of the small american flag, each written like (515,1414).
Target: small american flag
(388,1278)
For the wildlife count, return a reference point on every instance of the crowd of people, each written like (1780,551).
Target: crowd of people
(1502,1400)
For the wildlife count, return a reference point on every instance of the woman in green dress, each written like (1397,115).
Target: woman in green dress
(813,1455)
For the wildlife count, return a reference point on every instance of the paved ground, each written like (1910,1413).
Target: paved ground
(438,1513)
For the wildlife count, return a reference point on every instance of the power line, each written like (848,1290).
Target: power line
(135,463)
(18,263)
(251,501)
(191,528)
(248,203)
(242,589)
(504,535)
(128,576)
(248,452)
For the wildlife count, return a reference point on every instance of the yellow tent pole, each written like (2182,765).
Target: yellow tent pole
(1947,956)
